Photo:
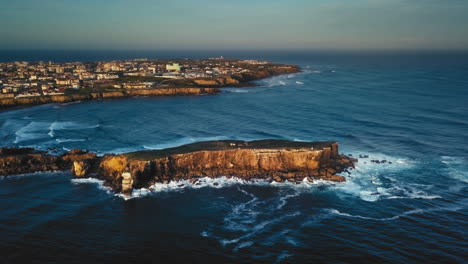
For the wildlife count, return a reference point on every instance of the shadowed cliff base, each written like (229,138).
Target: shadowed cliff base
(271,160)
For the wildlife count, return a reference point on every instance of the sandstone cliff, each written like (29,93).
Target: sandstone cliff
(35,100)
(274,160)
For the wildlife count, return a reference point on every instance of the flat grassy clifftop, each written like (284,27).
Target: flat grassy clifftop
(226,145)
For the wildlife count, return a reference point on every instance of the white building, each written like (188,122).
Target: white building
(174,67)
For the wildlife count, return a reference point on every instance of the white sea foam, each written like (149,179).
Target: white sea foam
(366,180)
(331,211)
(11,126)
(239,91)
(69,125)
(260,227)
(243,245)
(62,140)
(410,191)
(456,167)
(275,81)
(284,199)
(308,71)
(32,131)
(243,214)
(99,183)
(223,182)
(175,186)
(39,129)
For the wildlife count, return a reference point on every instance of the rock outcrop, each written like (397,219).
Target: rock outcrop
(245,78)
(276,160)
(273,160)
(26,160)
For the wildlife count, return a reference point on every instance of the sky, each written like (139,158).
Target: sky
(235,24)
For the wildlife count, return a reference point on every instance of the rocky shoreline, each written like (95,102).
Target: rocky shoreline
(36,100)
(201,87)
(272,160)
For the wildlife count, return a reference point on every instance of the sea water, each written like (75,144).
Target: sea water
(409,109)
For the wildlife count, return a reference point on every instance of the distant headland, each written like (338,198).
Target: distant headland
(32,83)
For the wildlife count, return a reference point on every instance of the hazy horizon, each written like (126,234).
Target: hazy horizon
(332,25)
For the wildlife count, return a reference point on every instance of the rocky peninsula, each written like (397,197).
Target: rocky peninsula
(273,160)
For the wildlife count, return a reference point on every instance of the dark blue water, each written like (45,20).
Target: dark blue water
(410,109)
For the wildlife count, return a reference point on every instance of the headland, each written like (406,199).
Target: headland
(32,83)
(272,160)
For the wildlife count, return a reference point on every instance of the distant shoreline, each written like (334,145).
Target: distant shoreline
(243,76)
(8,103)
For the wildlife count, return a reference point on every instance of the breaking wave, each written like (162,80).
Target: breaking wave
(97,182)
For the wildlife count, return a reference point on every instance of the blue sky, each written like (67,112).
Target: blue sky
(235,24)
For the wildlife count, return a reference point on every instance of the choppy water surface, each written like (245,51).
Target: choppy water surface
(407,109)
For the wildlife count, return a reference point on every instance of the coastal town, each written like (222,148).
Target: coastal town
(41,79)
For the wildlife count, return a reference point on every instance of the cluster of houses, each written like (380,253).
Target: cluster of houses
(19,79)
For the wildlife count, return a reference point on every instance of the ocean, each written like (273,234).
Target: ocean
(404,107)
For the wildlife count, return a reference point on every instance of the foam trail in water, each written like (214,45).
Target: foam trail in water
(284,200)
(243,245)
(407,213)
(258,228)
(457,167)
(243,214)
(63,140)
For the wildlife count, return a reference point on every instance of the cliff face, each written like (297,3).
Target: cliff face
(239,159)
(274,160)
(11,102)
